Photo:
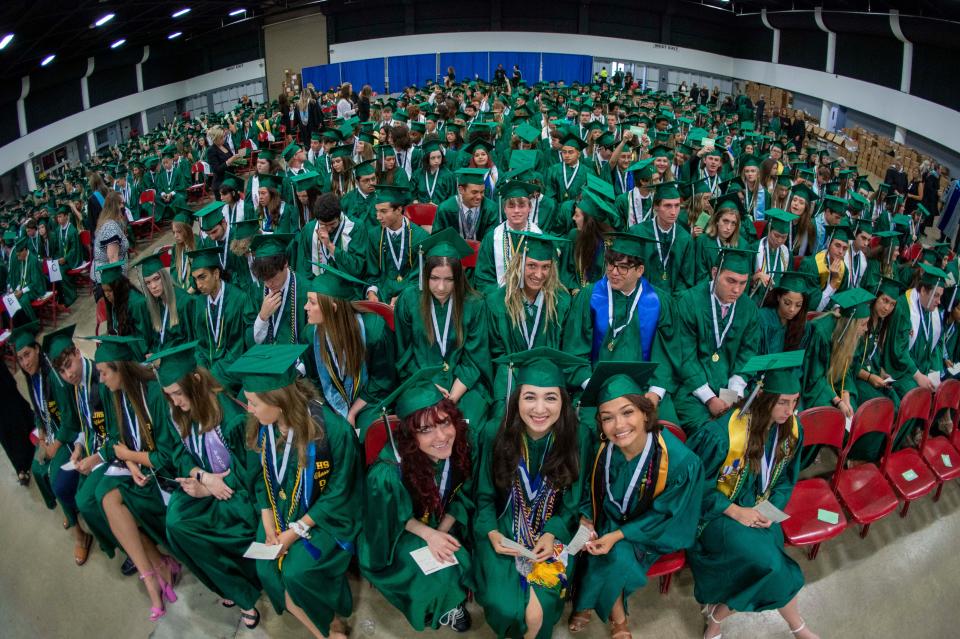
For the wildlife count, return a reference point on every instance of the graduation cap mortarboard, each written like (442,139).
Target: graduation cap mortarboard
(269,181)
(539,246)
(854,302)
(541,367)
(737,260)
(527,133)
(417,393)
(834,203)
(666,191)
(342,151)
(25,335)
(804,191)
(367,167)
(291,150)
(271,245)
(795,281)
(115,348)
(333,282)
(175,363)
(55,343)
(205,258)
(612,379)
(211,215)
(572,139)
(110,272)
(445,243)
(304,181)
(515,188)
(595,206)
(932,276)
(631,244)
(889,287)
(922,210)
(841,232)
(268,367)
(642,169)
(245,229)
(779,220)
(472,176)
(149,265)
(391,194)
(777,373)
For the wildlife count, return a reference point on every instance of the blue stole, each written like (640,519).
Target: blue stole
(646,317)
(335,399)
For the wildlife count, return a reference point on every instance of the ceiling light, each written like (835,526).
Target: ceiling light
(6,40)
(237,12)
(47,60)
(175,34)
(118,43)
(105,19)
(181,12)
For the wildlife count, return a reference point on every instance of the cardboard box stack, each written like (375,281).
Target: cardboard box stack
(774,97)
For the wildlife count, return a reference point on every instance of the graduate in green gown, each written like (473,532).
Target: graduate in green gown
(783,317)
(773,254)
(25,280)
(582,262)
(69,253)
(641,498)
(323,240)
(385,257)
(164,318)
(566,180)
(276,215)
(636,205)
(171,186)
(529,487)
(715,333)
(139,447)
(750,455)
(351,354)
(723,230)
(280,318)
(829,266)
(183,243)
(359,204)
(444,324)
(53,419)
(500,243)
(308,495)
(433,182)
(528,311)
(87,427)
(669,262)
(209,522)
(468,211)
(220,318)
(124,303)
(418,494)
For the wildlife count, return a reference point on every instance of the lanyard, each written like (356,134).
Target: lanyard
(280,471)
(622,178)
(444,479)
(441,339)
(426,179)
(274,320)
(533,488)
(766,464)
(322,255)
(397,259)
(219,302)
(673,237)
(636,206)
(37,390)
(531,335)
(924,327)
(132,421)
(718,337)
(568,183)
(196,441)
(83,401)
(633,308)
(622,506)
(713,183)
(854,269)
(163,323)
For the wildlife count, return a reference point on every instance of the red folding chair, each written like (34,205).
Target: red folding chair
(822,426)
(862,490)
(198,191)
(905,469)
(101,315)
(471,261)
(759,226)
(376,438)
(941,456)
(147,221)
(165,254)
(46,307)
(667,565)
(81,274)
(421,214)
(383,310)
(796,262)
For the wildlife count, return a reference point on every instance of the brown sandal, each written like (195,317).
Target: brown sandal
(579,620)
(620,629)
(82,550)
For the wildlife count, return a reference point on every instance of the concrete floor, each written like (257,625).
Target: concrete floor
(896,583)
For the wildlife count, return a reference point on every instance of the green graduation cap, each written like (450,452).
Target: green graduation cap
(205,258)
(149,265)
(268,367)
(795,281)
(111,272)
(631,244)
(271,245)
(367,167)
(542,367)
(341,151)
(776,373)
(666,191)
(932,276)
(779,220)
(861,225)
(854,302)
(834,203)
(730,201)
(212,214)
(472,176)
(245,229)
(115,348)
(417,393)
(391,194)
(304,181)
(539,246)
(841,232)
(445,243)
(737,260)
(25,335)
(571,138)
(804,191)
(269,181)
(601,187)
(661,151)
(890,287)
(175,363)
(614,379)
(857,202)
(291,150)
(515,188)
(386,151)
(596,206)
(922,210)
(527,133)
(333,282)
(55,343)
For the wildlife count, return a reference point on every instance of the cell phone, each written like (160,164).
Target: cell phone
(638,131)
(702,221)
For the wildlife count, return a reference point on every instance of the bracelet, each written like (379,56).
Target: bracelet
(301,529)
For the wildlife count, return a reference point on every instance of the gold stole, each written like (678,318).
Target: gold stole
(731,472)
(661,475)
(823,270)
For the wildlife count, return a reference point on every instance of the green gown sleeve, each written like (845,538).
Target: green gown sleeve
(381,365)
(781,491)
(384,524)
(485,274)
(578,333)
(566,515)
(711,443)
(898,362)
(334,507)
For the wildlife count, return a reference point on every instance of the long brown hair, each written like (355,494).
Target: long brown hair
(133,381)
(461,288)
(514,295)
(760,413)
(796,328)
(843,343)
(273,208)
(650,413)
(201,389)
(588,238)
(340,325)
(562,464)
(293,401)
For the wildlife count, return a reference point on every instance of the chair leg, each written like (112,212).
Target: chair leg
(864,530)
(936,495)
(665,583)
(906,507)
(812,554)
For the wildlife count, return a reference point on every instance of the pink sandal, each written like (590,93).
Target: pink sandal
(155,613)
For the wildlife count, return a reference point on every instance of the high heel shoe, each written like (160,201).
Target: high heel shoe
(175,569)
(708,611)
(155,613)
(166,590)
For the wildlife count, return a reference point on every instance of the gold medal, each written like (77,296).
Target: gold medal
(283,495)
(663,276)
(715,357)
(446,367)
(611,345)
(399,278)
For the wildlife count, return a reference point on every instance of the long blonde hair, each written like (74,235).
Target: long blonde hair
(514,296)
(169,299)
(340,325)
(202,390)
(843,343)
(294,403)
(112,210)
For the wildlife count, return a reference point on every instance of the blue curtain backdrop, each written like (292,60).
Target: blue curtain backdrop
(322,77)
(405,70)
(529,64)
(361,72)
(567,67)
(466,65)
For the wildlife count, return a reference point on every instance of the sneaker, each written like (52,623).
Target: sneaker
(457,618)
(128,568)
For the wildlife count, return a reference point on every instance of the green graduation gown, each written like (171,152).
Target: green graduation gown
(372,260)
(670,264)
(651,526)
(68,248)
(289,321)
(303,248)
(174,182)
(221,330)
(359,208)
(501,590)
(433,187)
(385,544)
(817,389)
(868,357)
(706,249)
(316,580)
(448,215)
(170,335)
(908,346)
(745,568)
(468,361)
(563,183)
(27,277)
(208,534)
(496,251)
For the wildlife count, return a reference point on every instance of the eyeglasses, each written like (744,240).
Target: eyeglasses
(444,423)
(620,267)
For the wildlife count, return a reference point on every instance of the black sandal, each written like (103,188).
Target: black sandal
(255,618)
(228,604)
(24,478)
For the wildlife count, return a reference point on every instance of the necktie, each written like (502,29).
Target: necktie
(723,310)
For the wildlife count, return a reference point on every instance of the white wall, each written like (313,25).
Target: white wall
(914,114)
(24,148)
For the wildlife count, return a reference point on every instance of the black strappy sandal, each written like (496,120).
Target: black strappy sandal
(255,618)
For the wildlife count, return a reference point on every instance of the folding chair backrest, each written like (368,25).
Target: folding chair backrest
(914,405)
(675,430)
(383,310)
(873,416)
(947,397)
(471,261)
(377,438)
(822,426)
